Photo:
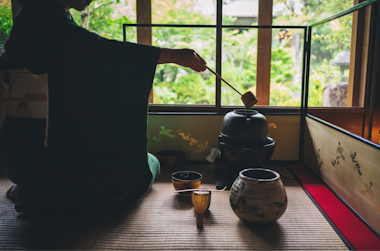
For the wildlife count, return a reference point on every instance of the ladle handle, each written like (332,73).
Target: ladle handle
(216,74)
(200,189)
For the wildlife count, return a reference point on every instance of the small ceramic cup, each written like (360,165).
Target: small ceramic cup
(186,180)
(171,160)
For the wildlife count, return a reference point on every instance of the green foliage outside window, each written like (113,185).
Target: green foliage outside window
(327,40)
(177,85)
(6,21)
(102,20)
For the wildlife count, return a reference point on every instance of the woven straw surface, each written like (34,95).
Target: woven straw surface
(165,221)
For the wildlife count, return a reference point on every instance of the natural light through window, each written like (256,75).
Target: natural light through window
(238,55)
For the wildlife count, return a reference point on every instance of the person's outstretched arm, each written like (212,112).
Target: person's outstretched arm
(185,57)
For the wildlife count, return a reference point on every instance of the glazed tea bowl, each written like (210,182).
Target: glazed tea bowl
(258,196)
(186,180)
(171,160)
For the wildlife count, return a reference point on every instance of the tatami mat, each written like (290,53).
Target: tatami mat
(165,221)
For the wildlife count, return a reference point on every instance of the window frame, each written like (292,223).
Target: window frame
(365,75)
(218,107)
(357,81)
(363,65)
(361,82)
(144,28)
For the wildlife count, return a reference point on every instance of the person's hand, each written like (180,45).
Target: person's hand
(189,58)
(184,57)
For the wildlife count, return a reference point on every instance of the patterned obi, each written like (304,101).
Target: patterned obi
(22,94)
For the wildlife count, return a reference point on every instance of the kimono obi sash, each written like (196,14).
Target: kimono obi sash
(22,94)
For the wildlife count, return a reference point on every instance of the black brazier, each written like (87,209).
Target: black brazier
(243,143)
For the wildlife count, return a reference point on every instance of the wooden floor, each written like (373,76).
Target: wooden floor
(165,221)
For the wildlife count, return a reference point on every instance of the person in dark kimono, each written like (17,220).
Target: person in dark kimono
(95,155)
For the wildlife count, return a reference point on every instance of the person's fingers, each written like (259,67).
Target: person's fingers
(200,62)
(201,59)
(189,58)
(199,66)
(195,67)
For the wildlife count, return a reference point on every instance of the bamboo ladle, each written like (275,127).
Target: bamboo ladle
(248,98)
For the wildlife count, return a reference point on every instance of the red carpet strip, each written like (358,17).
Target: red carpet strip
(354,230)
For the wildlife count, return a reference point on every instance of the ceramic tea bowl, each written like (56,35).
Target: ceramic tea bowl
(171,160)
(258,196)
(186,180)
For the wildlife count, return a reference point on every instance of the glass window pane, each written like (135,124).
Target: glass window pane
(286,67)
(330,62)
(289,9)
(184,12)
(237,12)
(6,21)
(296,12)
(131,34)
(239,53)
(106,17)
(239,60)
(174,84)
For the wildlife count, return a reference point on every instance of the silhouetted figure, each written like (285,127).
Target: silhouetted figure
(95,155)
